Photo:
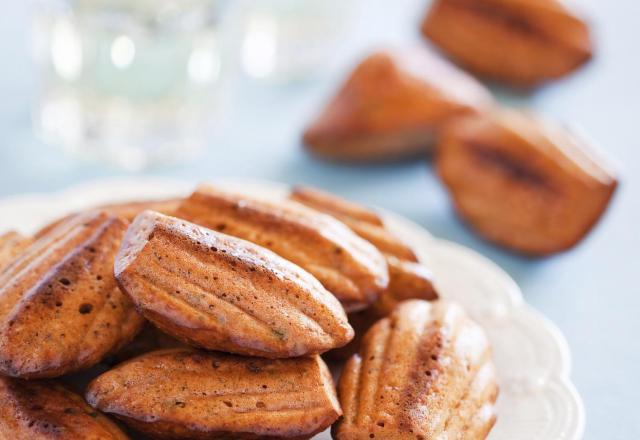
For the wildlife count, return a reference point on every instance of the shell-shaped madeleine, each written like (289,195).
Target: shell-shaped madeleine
(184,393)
(392,106)
(11,244)
(224,293)
(424,372)
(45,410)
(522,182)
(60,307)
(408,279)
(521,42)
(348,266)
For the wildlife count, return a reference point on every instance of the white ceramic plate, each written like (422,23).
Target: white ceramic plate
(537,399)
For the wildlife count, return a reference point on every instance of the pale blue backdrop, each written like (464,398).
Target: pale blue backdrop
(591,293)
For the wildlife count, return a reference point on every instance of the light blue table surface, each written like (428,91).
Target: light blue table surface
(591,292)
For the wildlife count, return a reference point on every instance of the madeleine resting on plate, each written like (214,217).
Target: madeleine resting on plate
(520,42)
(60,307)
(424,372)
(223,293)
(189,394)
(39,410)
(407,277)
(524,183)
(392,106)
(346,265)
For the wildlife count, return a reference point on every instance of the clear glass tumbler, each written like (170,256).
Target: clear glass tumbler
(131,82)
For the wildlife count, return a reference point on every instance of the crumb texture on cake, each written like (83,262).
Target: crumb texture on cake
(60,307)
(425,372)
(184,393)
(45,410)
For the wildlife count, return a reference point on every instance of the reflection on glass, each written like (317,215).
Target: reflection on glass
(132,82)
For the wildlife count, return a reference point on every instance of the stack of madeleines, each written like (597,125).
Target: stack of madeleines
(205,318)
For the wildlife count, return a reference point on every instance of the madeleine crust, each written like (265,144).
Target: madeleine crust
(407,277)
(11,244)
(392,106)
(520,42)
(522,182)
(124,210)
(33,410)
(60,307)
(224,293)
(423,372)
(184,393)
(348,266)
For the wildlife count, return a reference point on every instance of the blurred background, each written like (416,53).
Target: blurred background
(202,89)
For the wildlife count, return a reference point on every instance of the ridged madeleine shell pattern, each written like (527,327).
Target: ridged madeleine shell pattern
(348,266)
(364,222)
(60,307)
(408,279)
(32,410)
(223,293)
(184,393)
(11,244)
(124,210)
(425,372)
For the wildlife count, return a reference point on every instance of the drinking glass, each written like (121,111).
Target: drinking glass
(131,82)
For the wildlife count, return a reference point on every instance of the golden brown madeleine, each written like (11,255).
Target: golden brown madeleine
(407,278)
(520,42)
(223,293)
(423,372)
(125,210)
(333,205)
(348,266)
(364,222)
(392,106)
(524,183)
(60,307)
(11,244)
(46,410)
(184,393)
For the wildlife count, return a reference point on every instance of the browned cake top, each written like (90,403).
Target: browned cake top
(348,266)
(46,410)
(395,90)
(425,372)
(224,293)
(523,182)
(334,205)
(364,222)
(408,279)
(521,42)
(194,394)
(124,210)
(60,307)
